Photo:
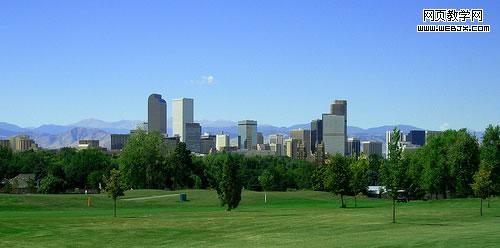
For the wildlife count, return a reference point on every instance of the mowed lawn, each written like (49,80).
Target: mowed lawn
(289,219)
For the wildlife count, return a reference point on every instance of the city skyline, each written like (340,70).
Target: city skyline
(123,54)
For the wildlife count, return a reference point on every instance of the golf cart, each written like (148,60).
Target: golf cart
(402,196)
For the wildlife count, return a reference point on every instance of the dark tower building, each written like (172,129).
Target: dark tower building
(157,114)
(417,137)
(316,134)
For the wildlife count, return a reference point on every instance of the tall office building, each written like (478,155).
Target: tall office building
(22,143)
(192,137)
(277,144)
(221,141)
(118,141)
(305,136)
(316,134)
(292,146)
(353,147)
(208,143)
(416,137)
(182,113)
(157,114)
(371,147)
(335,128)
(247,134)
(260,138)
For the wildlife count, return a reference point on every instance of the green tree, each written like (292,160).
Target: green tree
(266,180)
(359,181)
(51,185)
(482,185)
(142,160)
(224,174)
(393,173)
(337,176)
(490,155)
(463,158)
(115,186)
(180,165)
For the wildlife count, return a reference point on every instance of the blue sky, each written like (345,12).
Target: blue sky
(279,62)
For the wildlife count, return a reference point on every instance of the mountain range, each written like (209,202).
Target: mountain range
(56,136)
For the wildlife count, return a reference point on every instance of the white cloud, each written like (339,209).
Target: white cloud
(204,80)
(444,126)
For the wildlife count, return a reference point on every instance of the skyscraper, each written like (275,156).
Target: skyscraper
(371,147)
(417,137)
(192,137)
(353,147)
(182,113)
(316,134)
(247,134)
(335,128)
(277,144)
(208,143)
(260,138)
(305,136)
(222,141)
(157,114)
(292,146)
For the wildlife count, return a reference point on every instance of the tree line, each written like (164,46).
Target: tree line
(452,164)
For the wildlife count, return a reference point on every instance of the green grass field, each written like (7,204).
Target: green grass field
(289,219)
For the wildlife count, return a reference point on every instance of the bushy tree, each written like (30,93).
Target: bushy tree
(224,174)
(337,176)
(51,185)
(142,160)
(490,155)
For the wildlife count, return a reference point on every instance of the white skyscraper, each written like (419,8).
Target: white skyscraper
(221,141)
(182,113)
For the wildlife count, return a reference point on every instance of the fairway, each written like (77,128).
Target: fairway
(289,219)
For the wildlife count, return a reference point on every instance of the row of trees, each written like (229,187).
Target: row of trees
(58,171)
(452,164)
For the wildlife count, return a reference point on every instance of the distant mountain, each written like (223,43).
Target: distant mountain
(118,125)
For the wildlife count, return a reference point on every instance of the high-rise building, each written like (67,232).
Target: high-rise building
(416,137)
(335,128)
(353,147)
(4,143)
(22,143)
(334,136)
(260,138)
(277,144)
(182,113)
(208,143)
(316,134)
(371,147)
(171,143)
(192,137)
(292,146)
(157,114)
(118,141)
(221,141)
(339,107)
(247,134)
(305,136)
